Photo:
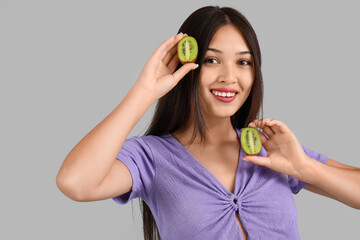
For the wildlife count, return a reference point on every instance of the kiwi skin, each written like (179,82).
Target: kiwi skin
(179,49)
(256,134)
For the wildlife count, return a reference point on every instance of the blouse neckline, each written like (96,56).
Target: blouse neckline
(207,171)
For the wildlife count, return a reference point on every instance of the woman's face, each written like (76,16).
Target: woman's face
(226,75)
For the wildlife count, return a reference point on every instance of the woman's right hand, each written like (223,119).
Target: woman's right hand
(158,76)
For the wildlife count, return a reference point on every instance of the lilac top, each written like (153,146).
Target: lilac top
(189,202)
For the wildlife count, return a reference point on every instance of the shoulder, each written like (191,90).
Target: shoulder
(151,141)
(150,138)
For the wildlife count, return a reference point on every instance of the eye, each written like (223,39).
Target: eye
(210,60)
(244,62)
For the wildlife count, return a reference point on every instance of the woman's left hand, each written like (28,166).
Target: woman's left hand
(284,152)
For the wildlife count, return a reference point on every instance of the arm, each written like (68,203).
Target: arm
(91,171)
(319,191)
(334,180)
(92,158)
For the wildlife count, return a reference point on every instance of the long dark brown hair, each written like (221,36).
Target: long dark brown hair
(173,110)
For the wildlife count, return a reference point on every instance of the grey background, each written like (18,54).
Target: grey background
(65,65)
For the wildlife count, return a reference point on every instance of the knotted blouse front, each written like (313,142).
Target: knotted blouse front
(189,202)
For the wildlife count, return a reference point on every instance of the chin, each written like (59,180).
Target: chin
(223,111)
(224,114)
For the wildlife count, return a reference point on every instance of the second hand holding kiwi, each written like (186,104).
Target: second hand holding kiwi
(284,152)
(158,76)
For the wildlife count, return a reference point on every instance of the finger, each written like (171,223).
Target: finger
(265,140)
(277,126)
(169,55)
(173,62)
(262,124)
(258,123)
(263,161)
(160,49)
(181,72)
(160,52)
(171,45)
(268,130)
(263,135)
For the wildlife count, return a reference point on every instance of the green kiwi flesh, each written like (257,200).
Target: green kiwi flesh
(187,49)
(250,141)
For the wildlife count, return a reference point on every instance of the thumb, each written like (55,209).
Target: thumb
(263,161)
(181,72)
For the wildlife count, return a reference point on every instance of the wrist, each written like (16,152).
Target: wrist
(144,94)
(308,172)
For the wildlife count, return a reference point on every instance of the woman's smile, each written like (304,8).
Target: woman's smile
(224,94)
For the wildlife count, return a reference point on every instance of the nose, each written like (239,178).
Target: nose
(228,74)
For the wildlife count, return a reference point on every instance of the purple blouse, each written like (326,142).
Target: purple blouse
(189,202)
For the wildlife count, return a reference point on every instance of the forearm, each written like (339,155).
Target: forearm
(341,183)
(92,158)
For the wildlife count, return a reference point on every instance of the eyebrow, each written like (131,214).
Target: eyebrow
(238,53)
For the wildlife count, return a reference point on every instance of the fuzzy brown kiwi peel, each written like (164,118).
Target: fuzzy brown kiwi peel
(250,140)
(187,49)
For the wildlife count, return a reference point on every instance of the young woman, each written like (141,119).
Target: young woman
(189,170)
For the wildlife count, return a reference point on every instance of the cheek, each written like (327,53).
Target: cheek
(246,84)
(248,78)
(249,85)
(204,81)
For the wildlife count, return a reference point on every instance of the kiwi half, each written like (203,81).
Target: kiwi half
(250,140)
(187,49)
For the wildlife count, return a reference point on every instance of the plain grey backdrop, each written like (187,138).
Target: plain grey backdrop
(65,65)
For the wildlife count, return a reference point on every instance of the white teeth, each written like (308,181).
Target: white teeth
(223,94)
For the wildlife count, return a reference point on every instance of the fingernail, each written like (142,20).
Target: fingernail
(195,66)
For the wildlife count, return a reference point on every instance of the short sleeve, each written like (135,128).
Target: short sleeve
(138,158)
(295,184)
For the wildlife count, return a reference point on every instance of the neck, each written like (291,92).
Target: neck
(218,131)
